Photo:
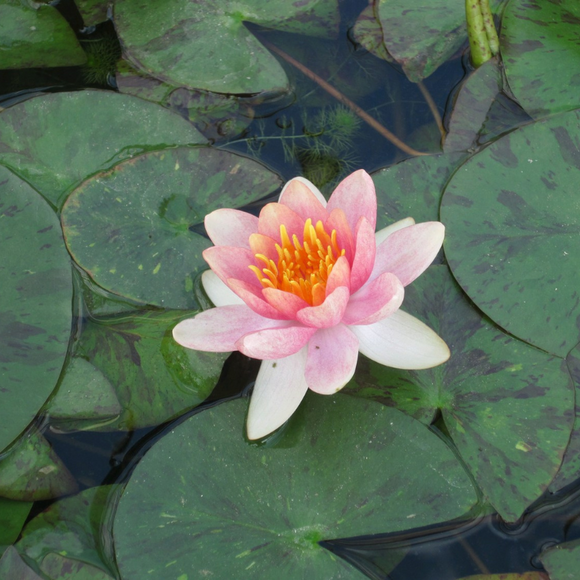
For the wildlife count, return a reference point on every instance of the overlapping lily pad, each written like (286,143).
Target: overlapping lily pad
(13,514)
(205,45)
(215,504)
(131,228)
(35,304)
(93,11)
(540,47)
(562,561)
(13,566)
(508,406)
(513,229)
(35,35)
(514,576)
(154,378)
(55,141)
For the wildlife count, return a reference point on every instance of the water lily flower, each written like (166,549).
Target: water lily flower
(308,285)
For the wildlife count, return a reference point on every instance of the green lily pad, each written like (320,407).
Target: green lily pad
(413,188)
(204,45)
(85,398)
(41,142)
(131,228)
(368,32)
(13,566)
(34,36)
(32,471)
(35,304)
(562,561)
(93,11)
(540,47)
(203,499)
(513,225)
(69,539)
(524,576)
(421,35)
(154,378)
(507,406)
(472,105)
(13,514)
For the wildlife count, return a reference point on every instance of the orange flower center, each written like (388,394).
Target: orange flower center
(302,268)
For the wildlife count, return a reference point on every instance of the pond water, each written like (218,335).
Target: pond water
(89,147)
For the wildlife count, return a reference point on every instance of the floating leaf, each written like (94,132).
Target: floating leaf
(56,141)
(85,398)
(35,304)
(562,561)
(13,514)
(540,47)
(524,576)
(36,36)
(32,471)
(131,228)
(69,539)
(154,378)
(205,500)
(472,104)
(368,32)
(93,11)
(204,45)
(13,567)
(513,227)
(507,406)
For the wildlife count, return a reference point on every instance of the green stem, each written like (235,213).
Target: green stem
(478,40)
(489,26)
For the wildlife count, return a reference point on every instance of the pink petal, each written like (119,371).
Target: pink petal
(273,215)
(339,275)
(274,343)
(364,255)
(375,300)
(401,341)
(409,251)
(337,221)
(254,298)
(261,244)
(219,329)
(356,196)
(327,314)
(218,292)
(279,389)
(285,302)
(383,234)
(230,227)
(332,357)
(228,262)
(299,197)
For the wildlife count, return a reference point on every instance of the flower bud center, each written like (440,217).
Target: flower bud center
(303,267)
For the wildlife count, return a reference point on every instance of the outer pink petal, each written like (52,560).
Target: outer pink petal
(273,343)
(219,329)
(364,255)
(339,276)
(356,196)
(375,301)
(409,251)
(285,302)
(261,244)
(273,215)
(230,227)
(337,221)
(279,389)
(299,197)
(327,314)
(332,357)
(382,235)
(254,298)
(228,262)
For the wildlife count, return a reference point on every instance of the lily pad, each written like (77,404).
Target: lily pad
(203,499)
(513,227)
(40,138)
(13,566)
(35,304)
(368,32)
(69,539)
(13,514)
(154,378)
(35,35)
(32,471)
(513,576)
(85,398)
(93,11)
(540,47)
(131,228)
(507,406)
(562,561)
(205,45)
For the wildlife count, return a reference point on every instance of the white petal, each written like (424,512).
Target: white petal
(401,341)
(310,186)
(217,291)
(383,234)
(279,390)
